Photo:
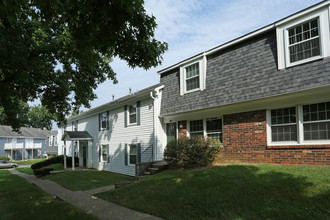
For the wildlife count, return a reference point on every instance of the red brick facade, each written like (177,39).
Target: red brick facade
(245,140)
(182,130)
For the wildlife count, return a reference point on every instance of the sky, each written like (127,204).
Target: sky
(191,27)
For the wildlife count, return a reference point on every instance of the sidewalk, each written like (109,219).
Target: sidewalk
(85,201)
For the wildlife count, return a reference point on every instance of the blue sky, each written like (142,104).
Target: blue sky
(191,27)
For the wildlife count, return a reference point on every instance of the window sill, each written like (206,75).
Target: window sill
(302,146)
(193,90)
(131,125)
(312,59)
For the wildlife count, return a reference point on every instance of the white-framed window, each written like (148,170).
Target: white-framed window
(55,141)
(193,76)
(284,124)
(196,128)
(132,114)
(104,153)
(210,127)
(299,125)
(132,154)
(316,121)
(214,128)
(103,118)
(303,39)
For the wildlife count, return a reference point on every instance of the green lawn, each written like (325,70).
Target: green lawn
(87,179)
(28,161)
(28,170)
(21,200)
(231,192)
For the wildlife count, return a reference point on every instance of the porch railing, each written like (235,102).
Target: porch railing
(145,158)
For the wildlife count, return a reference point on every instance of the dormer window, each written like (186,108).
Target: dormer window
(192,76)
(304,41)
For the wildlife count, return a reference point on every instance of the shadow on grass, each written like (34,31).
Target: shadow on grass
(231,192)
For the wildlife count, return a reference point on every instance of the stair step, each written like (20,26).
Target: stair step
(146,173)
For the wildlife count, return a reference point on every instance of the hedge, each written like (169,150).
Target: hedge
(42,172)
(192,152)
(4,158)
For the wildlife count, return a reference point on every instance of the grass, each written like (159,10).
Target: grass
(21,200)
(28,161)
(28,170)
(231,192)
(86,179)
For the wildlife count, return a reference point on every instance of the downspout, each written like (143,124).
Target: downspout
(155,124)
(155,118)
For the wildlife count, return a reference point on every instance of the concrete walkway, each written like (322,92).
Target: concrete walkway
(85,201)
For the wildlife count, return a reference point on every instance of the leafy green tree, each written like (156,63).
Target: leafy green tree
(59,51)
(36,116)
(76,112)
(40,117)
(21,112)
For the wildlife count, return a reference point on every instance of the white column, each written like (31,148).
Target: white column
(64,153)
(73,146)
(89,153)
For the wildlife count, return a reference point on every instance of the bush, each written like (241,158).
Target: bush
(53,160)
(4,158)
(192,152)
(42,172)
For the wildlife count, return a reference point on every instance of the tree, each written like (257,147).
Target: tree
(40,117)
(59,51)
(21,111)
(36,116)
(76,112)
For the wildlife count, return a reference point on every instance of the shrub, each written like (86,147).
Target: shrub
(53,160)
(42,172)
(4,158)
(192,152)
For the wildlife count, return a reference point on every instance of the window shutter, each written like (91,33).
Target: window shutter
(125,116)
(126,155)
(138,107)
(108,116)
(99,122)
(100,149)
(138,153)
(108,156)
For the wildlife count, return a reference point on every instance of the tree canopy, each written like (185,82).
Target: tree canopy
(60,51)
(36,116)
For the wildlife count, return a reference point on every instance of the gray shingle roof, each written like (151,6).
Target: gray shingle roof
(116,103)
(77,135)
(7,131)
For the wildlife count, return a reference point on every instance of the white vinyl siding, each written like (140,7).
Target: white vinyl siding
(118,135)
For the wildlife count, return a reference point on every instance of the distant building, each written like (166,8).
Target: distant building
(29,143)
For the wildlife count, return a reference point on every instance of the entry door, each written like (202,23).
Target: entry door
(84,146)
(171,131)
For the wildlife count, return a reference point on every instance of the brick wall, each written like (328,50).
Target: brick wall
(245,140)
(182,130)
